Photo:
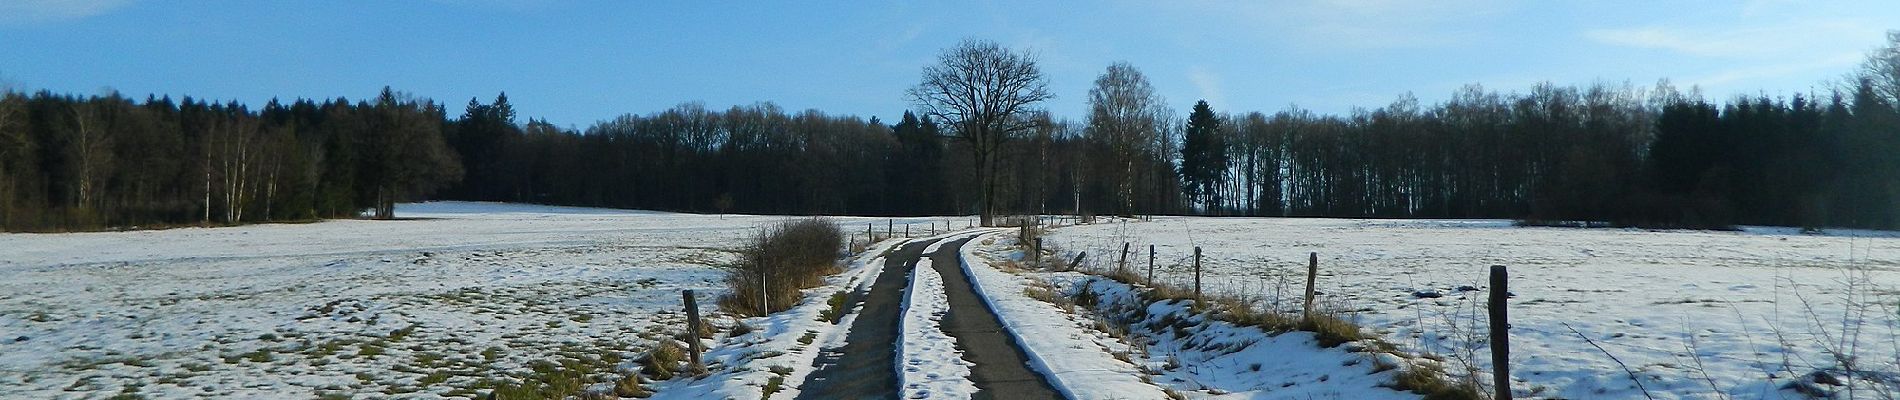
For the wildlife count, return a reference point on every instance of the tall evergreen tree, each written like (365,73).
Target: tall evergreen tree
(1204,157)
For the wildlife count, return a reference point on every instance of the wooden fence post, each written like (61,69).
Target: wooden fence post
(906,230)
(1312,273)
(1038,250)
(1122,266)
(1151,264)
(890,227)
(868,235)
(1197,276)
(1500,333)
(692,329)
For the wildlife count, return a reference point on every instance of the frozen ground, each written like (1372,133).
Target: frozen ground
(461,298)
(1690,312)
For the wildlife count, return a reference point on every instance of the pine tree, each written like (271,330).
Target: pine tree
(1203,157)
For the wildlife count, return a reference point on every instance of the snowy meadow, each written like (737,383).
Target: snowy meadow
(1763,313)
(456,300)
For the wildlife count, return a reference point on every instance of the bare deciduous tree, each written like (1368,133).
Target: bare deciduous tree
(13,147)
(92,151)
(1125,113)
(1882,69)
(985,93)
(411,158)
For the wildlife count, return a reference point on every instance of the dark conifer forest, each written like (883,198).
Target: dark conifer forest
(1636,155)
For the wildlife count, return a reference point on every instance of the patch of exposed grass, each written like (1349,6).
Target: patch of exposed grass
(260,356)
(777,382)
(428,359)
(662,362)
(1331,331)
(835,307)
(328,348)
(1431,383)
(739,328)
(773,385)
(371,349)
(546,380)
(433,378)
(400,334)
(629,386)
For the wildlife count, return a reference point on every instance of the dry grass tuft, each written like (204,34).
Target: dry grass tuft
(663,361)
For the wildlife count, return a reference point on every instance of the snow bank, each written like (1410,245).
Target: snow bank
(932,366)
(1078,361)
(1205,357)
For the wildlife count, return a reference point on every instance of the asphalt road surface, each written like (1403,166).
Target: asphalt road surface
(865,367)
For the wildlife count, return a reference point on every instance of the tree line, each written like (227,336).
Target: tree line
(977,143)
(70,162)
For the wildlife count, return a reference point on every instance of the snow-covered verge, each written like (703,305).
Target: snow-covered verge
(1201,356)
(1693,314)
(1078,360)
(461,300)
(930,363)
(776,356)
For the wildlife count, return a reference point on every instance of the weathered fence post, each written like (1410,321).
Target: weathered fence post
(1197,276)
(1151,264)
(1500,333)
(1312,273)
(692,329)
(868,235)
(1038,251)
(890,227)
(1122,266)
(906,230)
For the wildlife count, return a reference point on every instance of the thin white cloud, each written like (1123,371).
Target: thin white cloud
(1369,23)
(23,12)
(910,33)
(1777,41)
(1208,83)
(1838,62)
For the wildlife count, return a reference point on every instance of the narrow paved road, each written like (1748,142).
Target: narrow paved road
(865,367)
(1002,369)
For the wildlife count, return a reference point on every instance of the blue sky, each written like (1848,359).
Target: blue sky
(578,62)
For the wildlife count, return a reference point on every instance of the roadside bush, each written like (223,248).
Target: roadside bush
(779,262)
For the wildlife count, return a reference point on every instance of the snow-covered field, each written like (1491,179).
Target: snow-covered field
(1689,312)
(455,301)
